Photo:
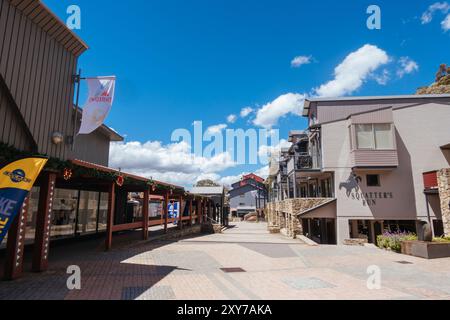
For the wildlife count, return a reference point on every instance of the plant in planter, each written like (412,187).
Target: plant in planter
(393,240)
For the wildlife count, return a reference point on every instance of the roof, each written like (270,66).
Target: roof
(207,190)
(41,15)
(98,167)
(310,101)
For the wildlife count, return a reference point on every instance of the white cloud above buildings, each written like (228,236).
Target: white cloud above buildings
(231,118)
(406,66)
(438,7)
(299,61)
(354,70)
(245,112)
(269,114)
(174,163)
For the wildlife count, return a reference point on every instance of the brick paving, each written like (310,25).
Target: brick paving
(274,268)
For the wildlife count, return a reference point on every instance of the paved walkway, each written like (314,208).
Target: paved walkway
(265,266)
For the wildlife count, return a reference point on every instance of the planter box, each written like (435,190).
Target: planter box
(427,250)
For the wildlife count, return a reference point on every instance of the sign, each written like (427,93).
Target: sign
(16,181)
(173,210)
(99,103)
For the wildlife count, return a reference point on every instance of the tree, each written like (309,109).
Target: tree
(207,183)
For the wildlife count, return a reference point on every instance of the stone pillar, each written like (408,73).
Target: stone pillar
(444,194)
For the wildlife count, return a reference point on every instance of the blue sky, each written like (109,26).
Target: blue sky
(182,61)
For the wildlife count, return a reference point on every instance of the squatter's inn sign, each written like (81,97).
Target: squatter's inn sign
(353,191)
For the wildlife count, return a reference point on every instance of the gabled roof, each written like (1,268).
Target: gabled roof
(41,15)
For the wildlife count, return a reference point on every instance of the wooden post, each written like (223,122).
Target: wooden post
(16,244)
(145,213)
(180,213)
(43,222)
(200,215)
(190,213)
(110,217)
(166,211)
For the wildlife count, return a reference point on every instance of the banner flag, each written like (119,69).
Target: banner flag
(16,181)
(99,103)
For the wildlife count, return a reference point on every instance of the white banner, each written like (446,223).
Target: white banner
(99,103)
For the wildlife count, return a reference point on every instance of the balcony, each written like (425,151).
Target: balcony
(303,162)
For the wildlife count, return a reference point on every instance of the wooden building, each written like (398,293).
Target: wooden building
(76,194)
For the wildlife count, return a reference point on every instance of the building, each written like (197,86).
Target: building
(218,206)
(248,195)
(365,165)
(77,194)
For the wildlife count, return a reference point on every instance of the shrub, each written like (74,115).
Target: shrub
(393,241)
(442,239)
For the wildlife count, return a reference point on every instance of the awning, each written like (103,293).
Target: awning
(324,210)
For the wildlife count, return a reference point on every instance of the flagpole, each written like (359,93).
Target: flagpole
(77,100)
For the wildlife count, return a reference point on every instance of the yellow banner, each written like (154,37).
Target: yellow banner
(21,174)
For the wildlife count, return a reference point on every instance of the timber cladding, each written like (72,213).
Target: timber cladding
(38,58)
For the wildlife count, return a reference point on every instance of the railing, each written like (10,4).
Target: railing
(303,161)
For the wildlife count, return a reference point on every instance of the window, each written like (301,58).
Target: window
(374,136)
(373,180)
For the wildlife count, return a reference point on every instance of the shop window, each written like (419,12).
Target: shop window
(87,212)
(32,214)
(103,212)
(64,213)
(373,180)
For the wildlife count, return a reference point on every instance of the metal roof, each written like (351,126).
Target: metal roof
(309,101)
(41,15)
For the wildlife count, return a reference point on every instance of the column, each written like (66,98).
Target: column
(44,215)
(444,195)
(110,216)
(145,213)
(166,211)
(180,213)
(16,244)
(355,230)
(190,212)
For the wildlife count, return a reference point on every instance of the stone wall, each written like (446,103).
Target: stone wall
(444,194)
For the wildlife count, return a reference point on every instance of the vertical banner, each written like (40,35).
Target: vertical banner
(16,181)
(173,210)
(99,103)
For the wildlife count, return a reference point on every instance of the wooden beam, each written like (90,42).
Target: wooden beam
(110,216)
(166,211)
(145,212)
(16,244)
(190,212)
(180,213)
(43,222)
(128,226)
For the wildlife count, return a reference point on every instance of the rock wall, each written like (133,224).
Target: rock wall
(444,194)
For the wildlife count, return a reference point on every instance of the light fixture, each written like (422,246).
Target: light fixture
(57,137)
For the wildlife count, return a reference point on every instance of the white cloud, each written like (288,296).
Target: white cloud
(172,163)
(427,16)
(446,23)
(382,78)
(216,129)
(298,61)
(406,66)
(267,151)
(231,118)
(245,112)
(353,71)
(269,114)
